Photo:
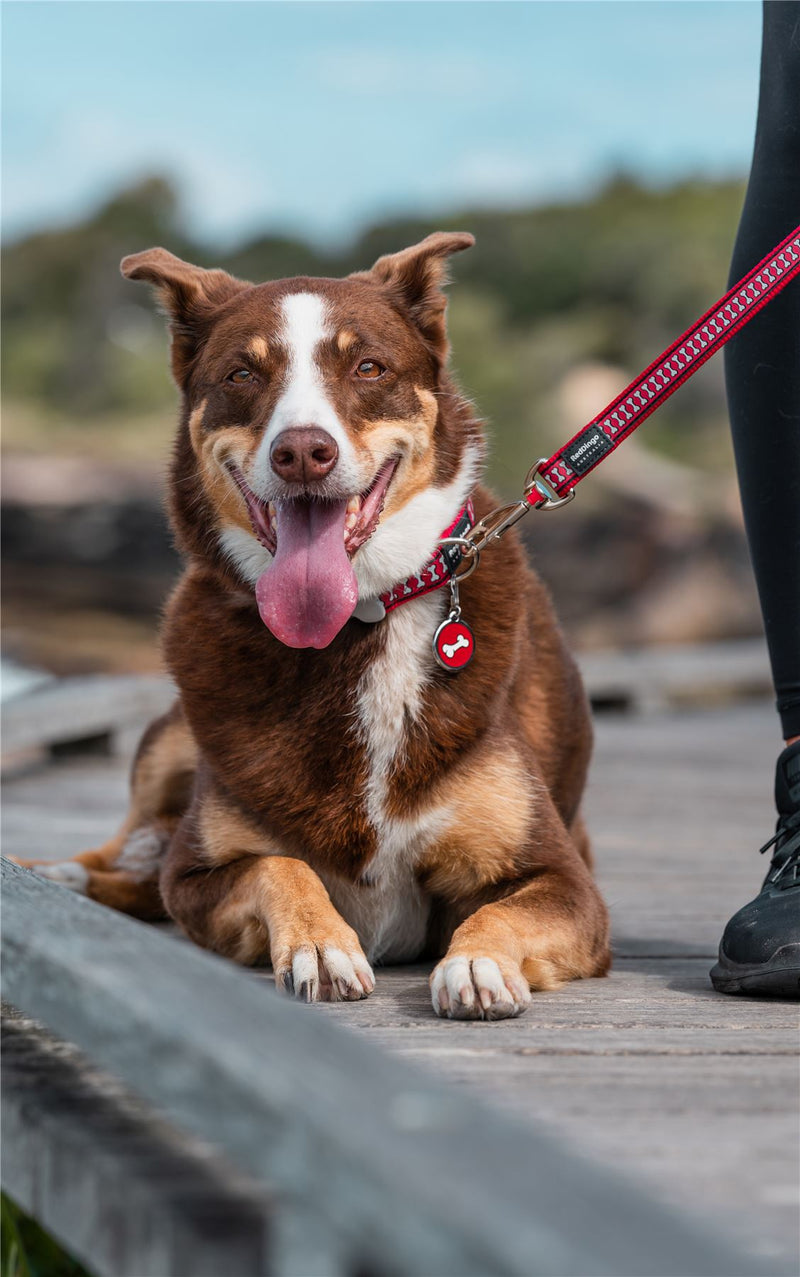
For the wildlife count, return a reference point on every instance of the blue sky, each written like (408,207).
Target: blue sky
(318,117)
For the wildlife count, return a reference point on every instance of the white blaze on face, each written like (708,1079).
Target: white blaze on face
(304,401)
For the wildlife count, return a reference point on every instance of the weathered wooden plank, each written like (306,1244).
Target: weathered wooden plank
(652,678)
(81,708)
(403,1174)
(120,1188)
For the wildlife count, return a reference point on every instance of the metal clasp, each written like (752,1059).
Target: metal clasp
(498,521)
(550,500)
(482,533)
(495,524)
(470,556)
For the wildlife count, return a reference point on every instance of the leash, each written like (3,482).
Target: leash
(551,482)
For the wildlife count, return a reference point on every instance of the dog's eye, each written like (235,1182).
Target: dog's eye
(369,370)
(240,376)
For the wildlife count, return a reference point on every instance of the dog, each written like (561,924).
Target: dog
(323,796)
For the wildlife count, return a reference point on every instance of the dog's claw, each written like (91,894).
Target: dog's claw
(324,973)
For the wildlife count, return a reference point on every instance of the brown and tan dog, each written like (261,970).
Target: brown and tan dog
(323,796)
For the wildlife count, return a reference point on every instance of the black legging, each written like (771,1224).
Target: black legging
(762,363)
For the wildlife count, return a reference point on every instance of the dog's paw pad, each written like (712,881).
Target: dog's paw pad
(476,989)
(67,873)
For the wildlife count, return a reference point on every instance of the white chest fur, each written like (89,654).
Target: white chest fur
(391,915)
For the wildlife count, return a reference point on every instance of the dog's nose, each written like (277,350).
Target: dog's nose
(302,454)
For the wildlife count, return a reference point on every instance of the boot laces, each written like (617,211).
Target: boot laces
(786,858)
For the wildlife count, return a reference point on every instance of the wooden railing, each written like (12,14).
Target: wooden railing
(167,1115)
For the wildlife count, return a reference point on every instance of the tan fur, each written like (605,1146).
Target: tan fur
(345,338)
(225,834)
(212,451)
(493,810)
(416,434)
(279,906)
(258,349)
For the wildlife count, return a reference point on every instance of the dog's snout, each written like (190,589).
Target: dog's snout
(303,454)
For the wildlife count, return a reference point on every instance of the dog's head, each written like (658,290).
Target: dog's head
(322,447)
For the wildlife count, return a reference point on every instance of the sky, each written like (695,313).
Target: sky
(317,118)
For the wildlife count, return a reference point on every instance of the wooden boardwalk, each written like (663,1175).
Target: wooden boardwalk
(648,1071)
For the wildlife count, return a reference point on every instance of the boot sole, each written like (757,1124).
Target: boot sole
(778,978)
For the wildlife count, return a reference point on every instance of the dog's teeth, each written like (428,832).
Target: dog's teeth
(350,521)
(353,506)
(271,511)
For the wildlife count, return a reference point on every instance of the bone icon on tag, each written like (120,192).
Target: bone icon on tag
(450,649)
(453,645)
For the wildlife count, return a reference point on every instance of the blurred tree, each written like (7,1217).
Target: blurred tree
(611,279)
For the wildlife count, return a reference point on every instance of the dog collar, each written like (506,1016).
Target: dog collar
(437,572)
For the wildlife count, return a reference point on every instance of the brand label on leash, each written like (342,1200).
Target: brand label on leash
(453,645)
(589,447)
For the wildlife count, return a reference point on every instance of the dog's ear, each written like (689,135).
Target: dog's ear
(415,278)
(188,295)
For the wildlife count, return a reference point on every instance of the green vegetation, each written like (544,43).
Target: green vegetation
(28,1251)
(608,282)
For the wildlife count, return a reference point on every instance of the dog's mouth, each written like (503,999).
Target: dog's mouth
(310,590)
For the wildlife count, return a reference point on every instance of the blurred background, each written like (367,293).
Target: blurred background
(598,152)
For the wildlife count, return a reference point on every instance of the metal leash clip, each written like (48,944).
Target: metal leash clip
(497,522)
(470,556)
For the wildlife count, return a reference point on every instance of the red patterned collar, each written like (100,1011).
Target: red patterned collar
(436,573)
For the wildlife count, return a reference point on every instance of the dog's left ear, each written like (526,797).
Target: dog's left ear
(415,278)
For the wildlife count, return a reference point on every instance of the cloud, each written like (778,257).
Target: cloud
(377,72)
(86,157)
(509,176)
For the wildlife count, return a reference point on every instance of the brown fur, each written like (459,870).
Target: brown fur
(259,777)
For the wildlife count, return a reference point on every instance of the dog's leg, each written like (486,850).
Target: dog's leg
(549,927)
(581,839)
(123,873)
(230,890)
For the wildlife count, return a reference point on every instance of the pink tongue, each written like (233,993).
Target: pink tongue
(310,589)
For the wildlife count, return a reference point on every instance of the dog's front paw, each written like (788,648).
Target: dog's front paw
(464,988)
(324,972)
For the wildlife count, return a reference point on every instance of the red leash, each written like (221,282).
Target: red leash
(551,482)
(650,389)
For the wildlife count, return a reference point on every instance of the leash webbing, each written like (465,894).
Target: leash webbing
(593,443)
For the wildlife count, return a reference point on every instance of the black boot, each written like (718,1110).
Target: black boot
(760,950)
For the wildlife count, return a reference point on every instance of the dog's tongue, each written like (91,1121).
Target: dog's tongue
(310,589)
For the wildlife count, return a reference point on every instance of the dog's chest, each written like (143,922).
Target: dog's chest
(391,913)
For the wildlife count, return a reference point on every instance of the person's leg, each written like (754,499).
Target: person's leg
(760,950)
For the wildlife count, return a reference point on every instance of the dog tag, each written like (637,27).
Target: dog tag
(454,642)
(453,645)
